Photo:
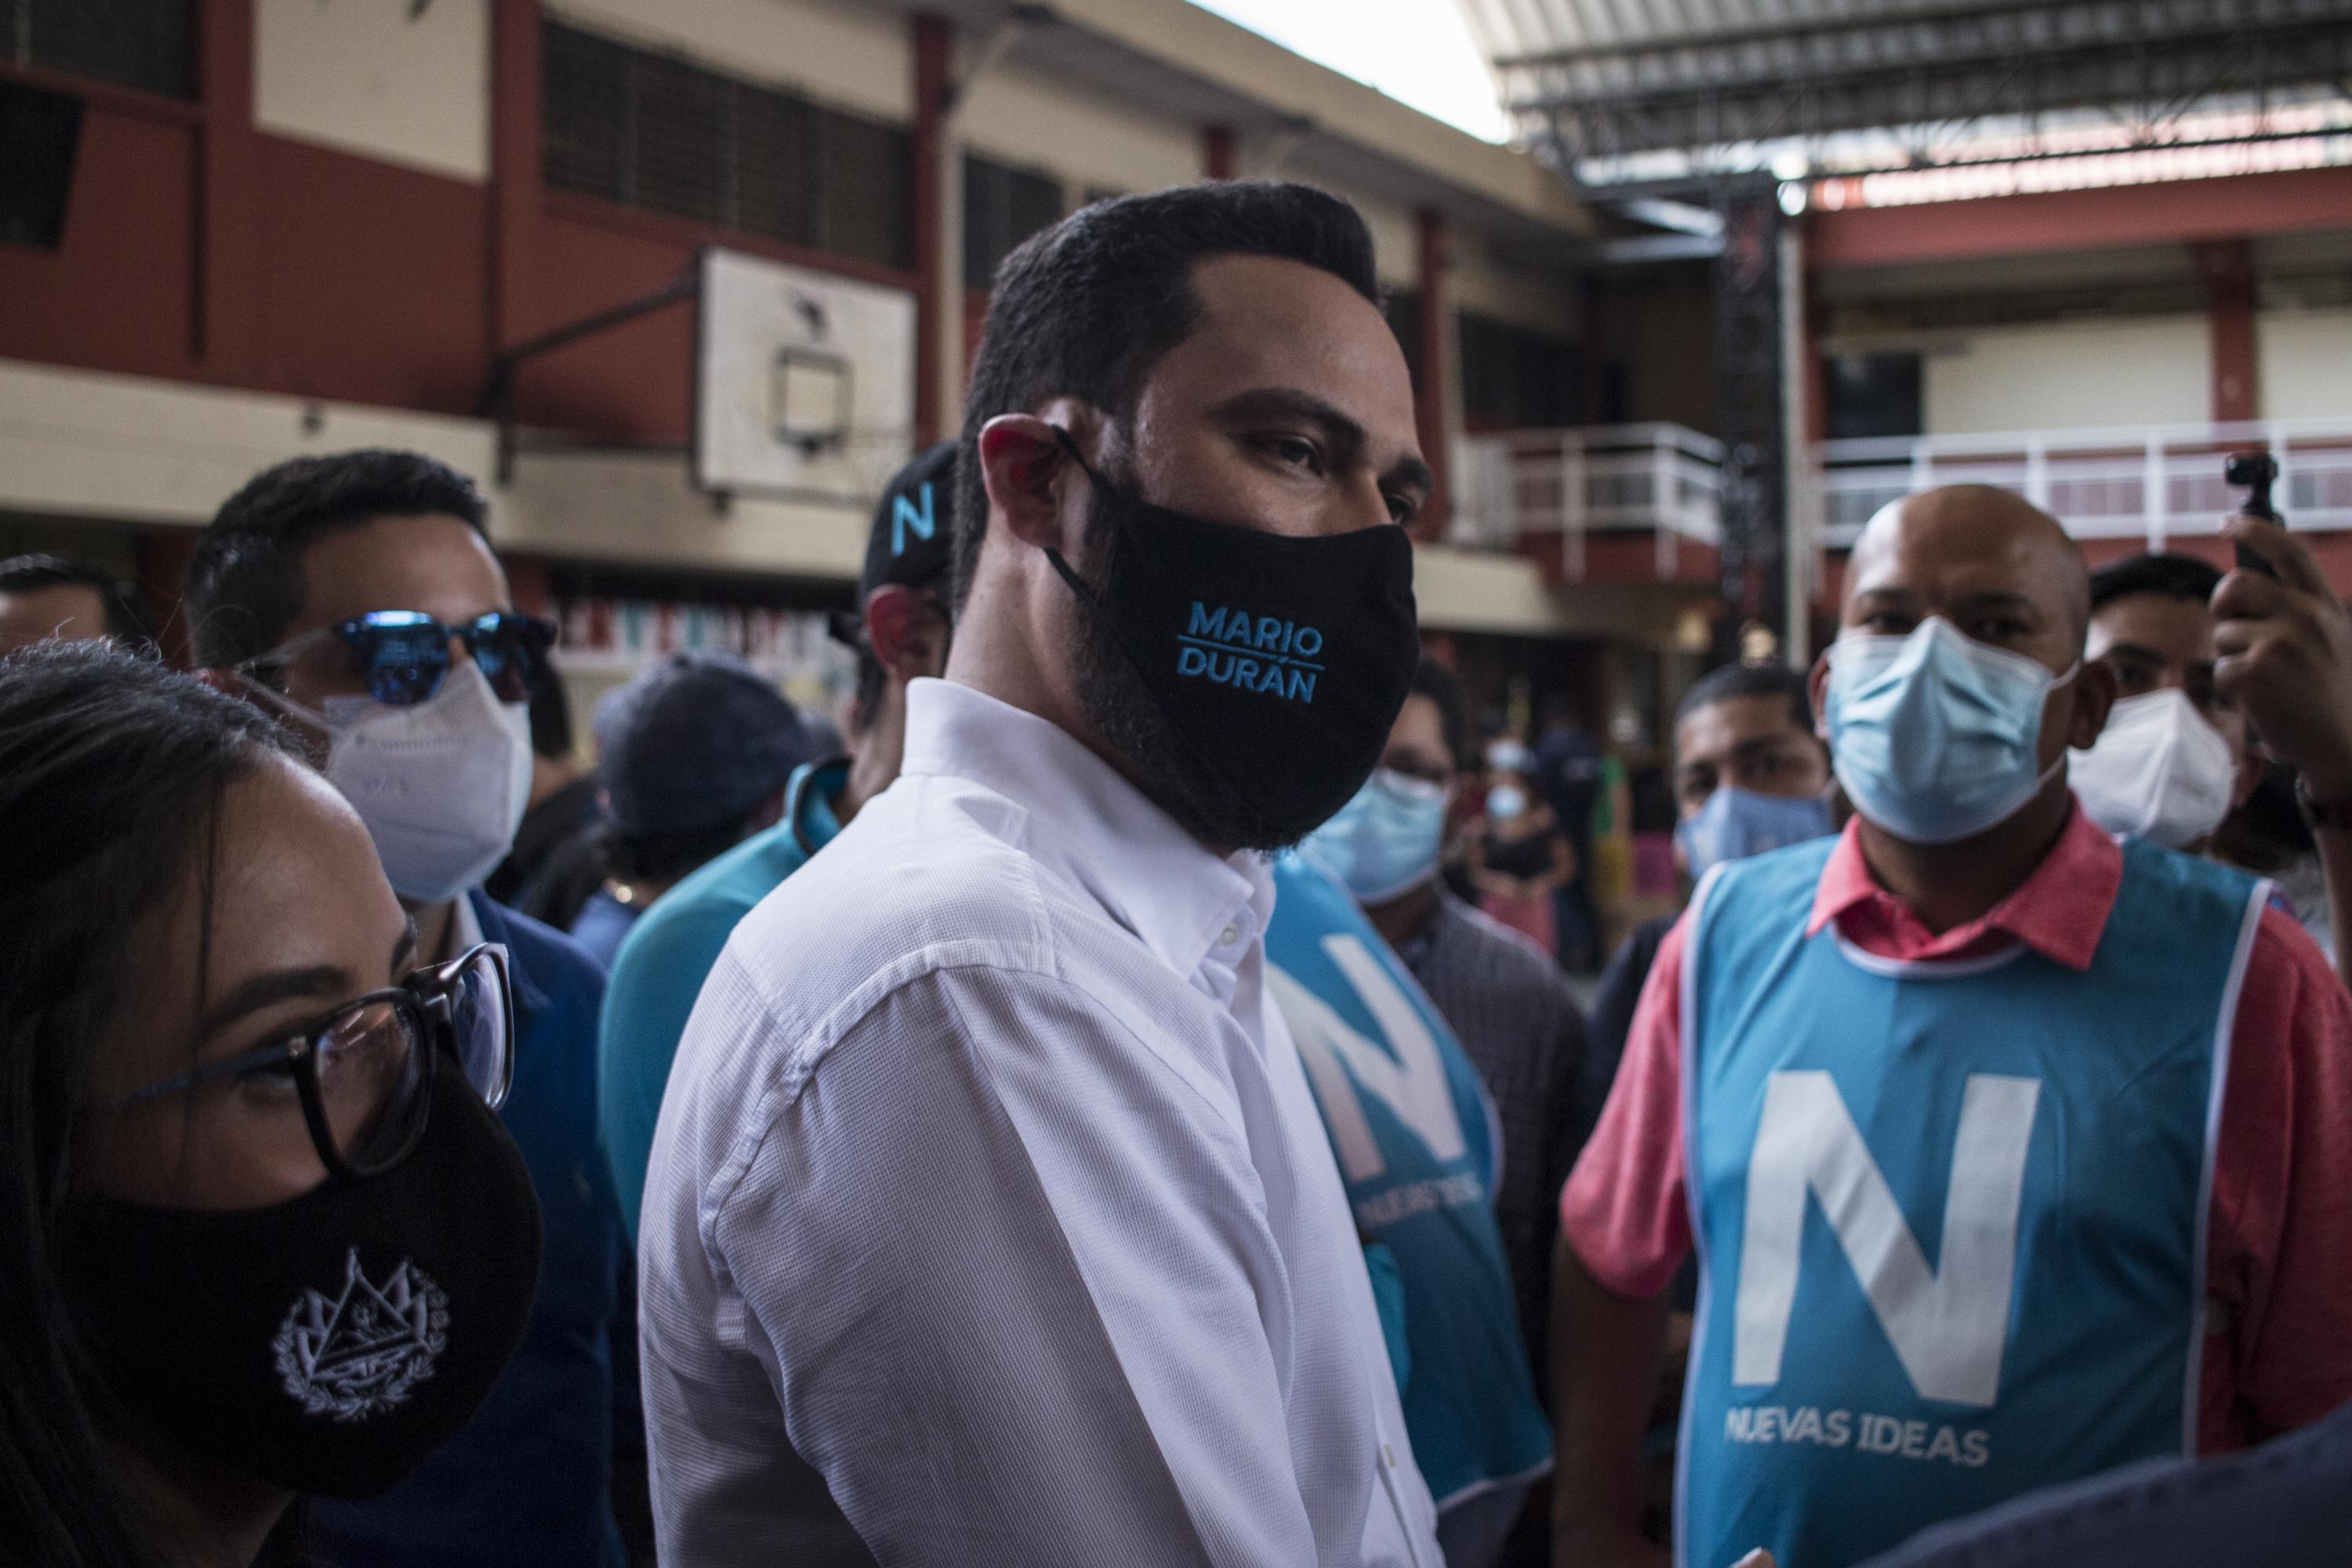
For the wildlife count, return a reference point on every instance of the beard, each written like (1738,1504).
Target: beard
(1115,701)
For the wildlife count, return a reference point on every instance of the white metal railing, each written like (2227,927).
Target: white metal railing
(1589,478)
(2148,482)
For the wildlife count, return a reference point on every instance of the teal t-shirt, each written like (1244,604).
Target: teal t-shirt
(659,970)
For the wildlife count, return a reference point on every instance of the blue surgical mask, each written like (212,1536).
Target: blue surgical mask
(1936,736)
(1737,823)
(1504,802)
(1384,841)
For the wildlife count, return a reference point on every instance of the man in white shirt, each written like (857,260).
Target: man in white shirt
(990,1219)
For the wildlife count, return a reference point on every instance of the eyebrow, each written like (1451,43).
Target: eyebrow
(1997,599)
(274,986)
(2133,650)
(287,985)
(1338,427)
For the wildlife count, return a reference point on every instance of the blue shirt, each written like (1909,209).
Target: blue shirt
(1952,1215)
(529,1481)
(662,962)
(1420,1157)
(602,923)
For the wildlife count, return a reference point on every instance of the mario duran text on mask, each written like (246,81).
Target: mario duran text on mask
(1256,653)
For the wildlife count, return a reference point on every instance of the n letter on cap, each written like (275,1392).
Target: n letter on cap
(904,516)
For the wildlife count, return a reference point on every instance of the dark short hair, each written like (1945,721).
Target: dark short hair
(1733,681)
(1086,308)
(244,582)
(126,612)
(1434,681)
(2168,576)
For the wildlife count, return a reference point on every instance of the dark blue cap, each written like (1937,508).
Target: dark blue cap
(913,524)
(697,741)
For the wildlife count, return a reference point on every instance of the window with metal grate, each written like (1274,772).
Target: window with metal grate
(150,45)
(651,131)
(40,133)
(1515,377)
(1002,205)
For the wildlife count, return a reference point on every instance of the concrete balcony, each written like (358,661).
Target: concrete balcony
(1598,504)
(2118,489)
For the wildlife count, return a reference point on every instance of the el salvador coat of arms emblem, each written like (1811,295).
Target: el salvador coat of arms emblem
(359,1351)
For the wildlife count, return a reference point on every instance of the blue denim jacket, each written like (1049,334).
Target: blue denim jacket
(528,1484)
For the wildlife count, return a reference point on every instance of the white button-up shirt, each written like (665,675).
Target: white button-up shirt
(990,1220)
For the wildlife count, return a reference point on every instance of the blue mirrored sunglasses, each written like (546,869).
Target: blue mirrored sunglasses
(402,655)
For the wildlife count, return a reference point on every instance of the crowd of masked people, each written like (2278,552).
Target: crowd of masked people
(1069,1118)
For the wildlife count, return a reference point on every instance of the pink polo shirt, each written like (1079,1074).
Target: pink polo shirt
(2280,1249)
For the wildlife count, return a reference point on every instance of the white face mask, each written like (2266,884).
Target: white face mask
(2159,771)
(441,785)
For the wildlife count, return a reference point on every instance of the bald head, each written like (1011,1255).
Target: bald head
(1998,567)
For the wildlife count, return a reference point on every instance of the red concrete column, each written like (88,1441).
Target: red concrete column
(933,40)
(227,314)
(1217,153)
(515,174)
(2227,268)
(528,581)
(1434,353)
(164,555)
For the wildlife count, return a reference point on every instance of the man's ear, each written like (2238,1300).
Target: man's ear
(2094,693)
(1022,464)
(1817,688)
(906,631)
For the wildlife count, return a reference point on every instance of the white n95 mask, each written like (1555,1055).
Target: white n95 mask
(441,785)
(2158,771)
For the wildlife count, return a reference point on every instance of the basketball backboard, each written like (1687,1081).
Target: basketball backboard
(805,382)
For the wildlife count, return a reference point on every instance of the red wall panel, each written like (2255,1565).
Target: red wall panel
(118,292)
(375,281)
(632,383)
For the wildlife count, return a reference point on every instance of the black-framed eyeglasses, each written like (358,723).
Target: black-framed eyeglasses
(363,1070)
(404,654)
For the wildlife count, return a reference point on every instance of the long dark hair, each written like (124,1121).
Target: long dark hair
(112,774)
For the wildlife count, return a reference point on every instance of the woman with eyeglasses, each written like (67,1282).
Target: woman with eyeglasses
(263,1236)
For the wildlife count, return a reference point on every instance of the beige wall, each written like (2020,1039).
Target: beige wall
(378,78)
(1028,119)
(2065,375)
(2302,363)
(855,56)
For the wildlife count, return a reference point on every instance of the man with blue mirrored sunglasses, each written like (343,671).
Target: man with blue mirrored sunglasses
(357,596)
(1999,1142)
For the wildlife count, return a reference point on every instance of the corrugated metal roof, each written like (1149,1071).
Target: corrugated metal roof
(1518,29)
(1618,78)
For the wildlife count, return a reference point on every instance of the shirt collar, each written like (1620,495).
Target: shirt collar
(1088,825)
(2059,910)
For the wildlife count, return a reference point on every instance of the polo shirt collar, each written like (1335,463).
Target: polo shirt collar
(1088,825)
(2060,910)
(808,803)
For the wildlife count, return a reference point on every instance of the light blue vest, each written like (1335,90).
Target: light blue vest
(1419,1154)
(1952,1216)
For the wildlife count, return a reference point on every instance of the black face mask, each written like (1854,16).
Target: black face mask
(1277,663)
(329,1343)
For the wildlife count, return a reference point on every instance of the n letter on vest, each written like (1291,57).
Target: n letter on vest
(1948,1324)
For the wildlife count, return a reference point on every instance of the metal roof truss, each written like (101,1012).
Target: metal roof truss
(1936,72)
